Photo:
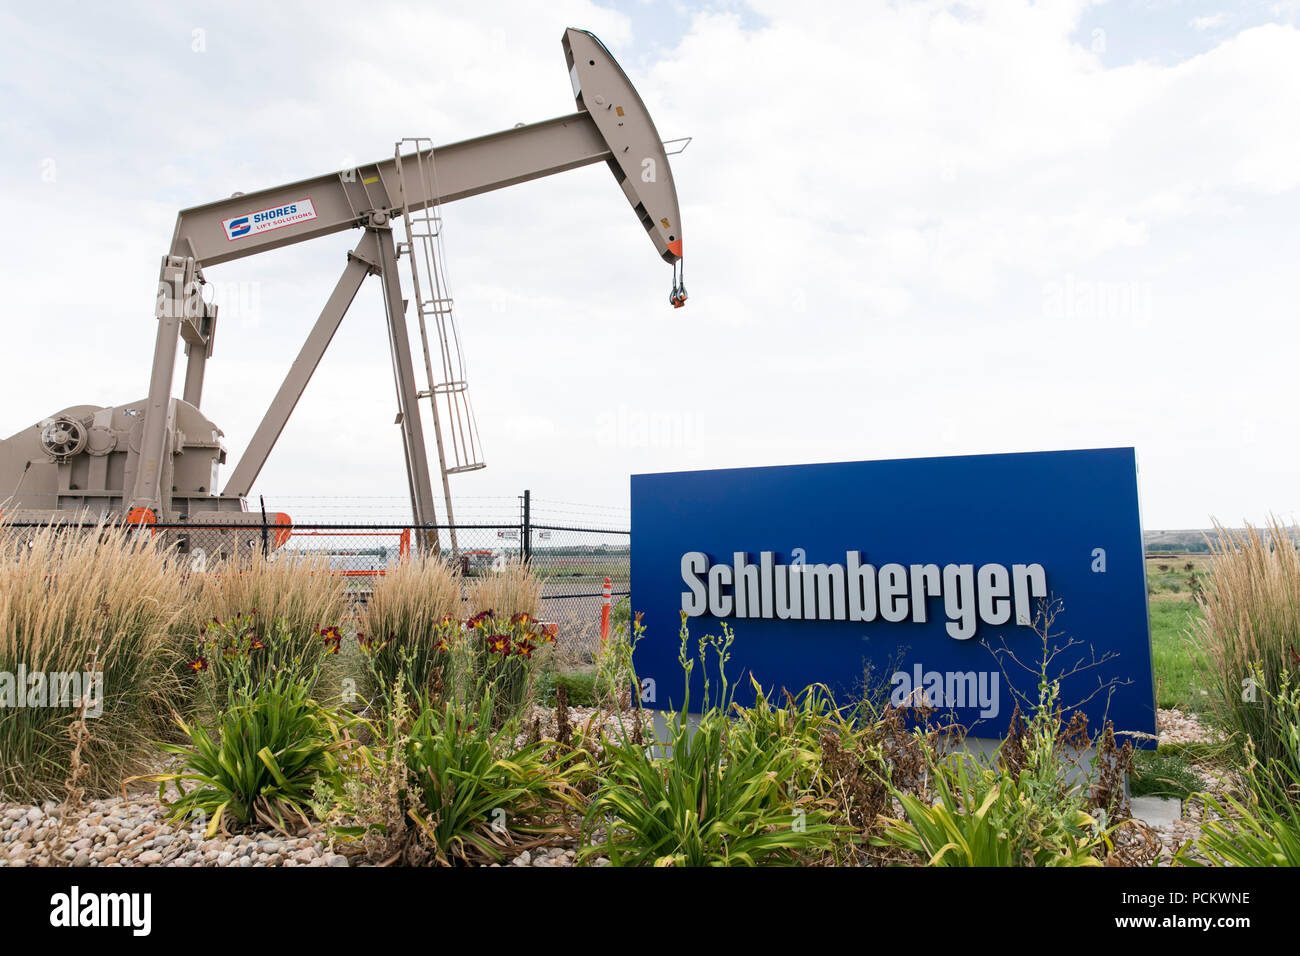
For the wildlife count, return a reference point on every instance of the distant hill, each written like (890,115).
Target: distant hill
(1193,541)
(1189,541)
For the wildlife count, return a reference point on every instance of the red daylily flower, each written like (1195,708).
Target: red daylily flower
(332,636)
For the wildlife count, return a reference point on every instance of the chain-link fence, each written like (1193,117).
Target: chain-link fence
(572,563)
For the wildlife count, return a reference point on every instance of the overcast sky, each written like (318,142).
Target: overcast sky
(910,230)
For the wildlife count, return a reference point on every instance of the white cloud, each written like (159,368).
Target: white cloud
(1211,22)
(875,203)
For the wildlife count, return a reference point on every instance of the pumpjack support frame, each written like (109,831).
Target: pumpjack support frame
(611,125)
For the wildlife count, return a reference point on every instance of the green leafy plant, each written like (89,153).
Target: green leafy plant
(448,786)
(1261,826)
(1250,831)
(982,817)
(615,677)
(412,665)
(503,651)
(460,660)
(473,786)
(579,686)
(800,724)
(293,604)
(708,794)
(241,654)
(1031,803)
(620,617)
(1163,774)
(261,761)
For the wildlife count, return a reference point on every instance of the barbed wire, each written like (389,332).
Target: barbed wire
(506,510)
(579,504)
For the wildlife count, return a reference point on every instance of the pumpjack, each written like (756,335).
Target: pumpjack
(157,460)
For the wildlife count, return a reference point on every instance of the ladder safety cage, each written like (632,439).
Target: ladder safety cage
(454,426)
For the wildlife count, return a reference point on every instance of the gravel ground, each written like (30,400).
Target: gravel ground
(1177,727)
(131,832)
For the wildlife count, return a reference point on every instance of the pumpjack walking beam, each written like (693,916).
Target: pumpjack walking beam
(610,126)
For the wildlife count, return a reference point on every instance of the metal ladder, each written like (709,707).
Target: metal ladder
(454,427)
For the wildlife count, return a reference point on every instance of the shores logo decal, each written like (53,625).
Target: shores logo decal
(264,220)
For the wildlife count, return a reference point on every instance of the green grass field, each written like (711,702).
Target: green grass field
(1171,583)
(1177,676)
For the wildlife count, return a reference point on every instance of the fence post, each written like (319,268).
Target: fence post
(527,529)
(604,613)
(266,542)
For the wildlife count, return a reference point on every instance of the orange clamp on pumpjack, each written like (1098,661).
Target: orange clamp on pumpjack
(143,517)
(677,298)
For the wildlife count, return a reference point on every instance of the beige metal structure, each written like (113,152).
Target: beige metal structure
(159,456)
(448,392)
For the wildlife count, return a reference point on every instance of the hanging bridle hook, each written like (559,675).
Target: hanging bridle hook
(677,298)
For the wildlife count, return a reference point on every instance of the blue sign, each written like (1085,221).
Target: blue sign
(934,575)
